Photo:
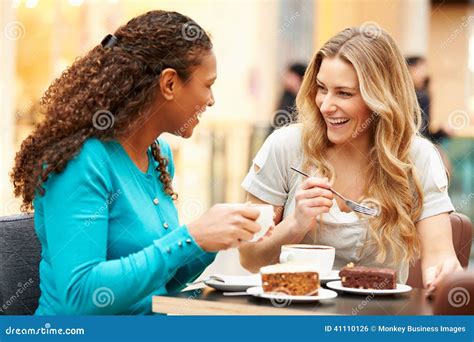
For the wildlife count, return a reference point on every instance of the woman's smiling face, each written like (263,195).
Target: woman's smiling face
(194,96)
(338,98)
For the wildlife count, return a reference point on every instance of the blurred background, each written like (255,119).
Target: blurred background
(261,48)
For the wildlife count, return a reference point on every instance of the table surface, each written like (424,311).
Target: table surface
(207,301)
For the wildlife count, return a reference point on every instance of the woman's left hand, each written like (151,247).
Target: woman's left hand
(435,274)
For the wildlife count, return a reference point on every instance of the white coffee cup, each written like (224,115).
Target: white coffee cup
(322,256)
(265,219)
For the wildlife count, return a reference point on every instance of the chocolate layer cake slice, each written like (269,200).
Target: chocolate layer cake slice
(291,278)
(361,277)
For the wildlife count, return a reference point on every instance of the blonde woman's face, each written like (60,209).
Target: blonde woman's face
(338,98)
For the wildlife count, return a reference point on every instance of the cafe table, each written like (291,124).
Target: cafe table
(207,301)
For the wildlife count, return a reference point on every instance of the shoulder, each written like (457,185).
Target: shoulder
(420,145)
(281,147)
(288,136)
(94,154)
(285,141)
(423,152)
(428,163)
(91,164)
(272,180)
(93,146)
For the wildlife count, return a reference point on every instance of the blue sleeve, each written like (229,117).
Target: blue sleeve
(76,234)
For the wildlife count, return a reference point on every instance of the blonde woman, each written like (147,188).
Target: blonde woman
(357,132)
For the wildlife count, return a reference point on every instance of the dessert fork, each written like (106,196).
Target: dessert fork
(357,207)
(212,277)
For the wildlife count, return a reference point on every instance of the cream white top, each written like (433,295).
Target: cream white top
(277,184)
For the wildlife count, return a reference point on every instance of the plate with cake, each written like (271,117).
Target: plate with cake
(368,280)
(291,282)
(238,283)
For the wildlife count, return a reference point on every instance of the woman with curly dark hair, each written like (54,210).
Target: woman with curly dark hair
(100,181)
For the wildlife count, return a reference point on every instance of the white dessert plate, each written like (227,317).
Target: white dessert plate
(242,283)
(282,299)
(234,283)
(401,288)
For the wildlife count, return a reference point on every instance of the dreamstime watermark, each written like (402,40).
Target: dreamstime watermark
(191,31)
(195,295)
(46,330)
(103,119)
(14,30)
(281,118)
(24,108)
(102,297)
(458,297)
(280,298)
(22,287)
(371,29)
(372,203)
(112,198)
(199,111)
(464,202)
(365,125)
(12,206)
(368,299)
(459,119)
(192,208)
(464,24)
(288,22)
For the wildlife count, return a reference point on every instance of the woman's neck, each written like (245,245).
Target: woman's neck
(355,151)
(136,146)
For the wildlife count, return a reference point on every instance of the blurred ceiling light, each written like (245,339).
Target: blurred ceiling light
(31,3)
(76,2)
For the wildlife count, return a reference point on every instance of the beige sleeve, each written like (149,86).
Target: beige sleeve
(434,181)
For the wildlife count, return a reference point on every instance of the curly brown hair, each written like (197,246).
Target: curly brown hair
(120,81)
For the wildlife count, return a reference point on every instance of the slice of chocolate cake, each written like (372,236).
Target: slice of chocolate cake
(291,278)
(361,277)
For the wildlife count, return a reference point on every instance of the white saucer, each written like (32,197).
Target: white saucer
(279,299)
(401,288)
(242,283)
(235,283)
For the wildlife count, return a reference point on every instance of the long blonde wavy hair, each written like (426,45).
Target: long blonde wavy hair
(387,89)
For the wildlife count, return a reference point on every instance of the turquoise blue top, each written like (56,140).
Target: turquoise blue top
(110,236)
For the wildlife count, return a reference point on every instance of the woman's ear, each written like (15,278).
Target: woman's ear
(168,82)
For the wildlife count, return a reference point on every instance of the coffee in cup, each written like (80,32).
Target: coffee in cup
(320,255)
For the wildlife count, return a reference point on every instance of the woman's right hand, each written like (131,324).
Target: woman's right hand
(224,226)
(312,199)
